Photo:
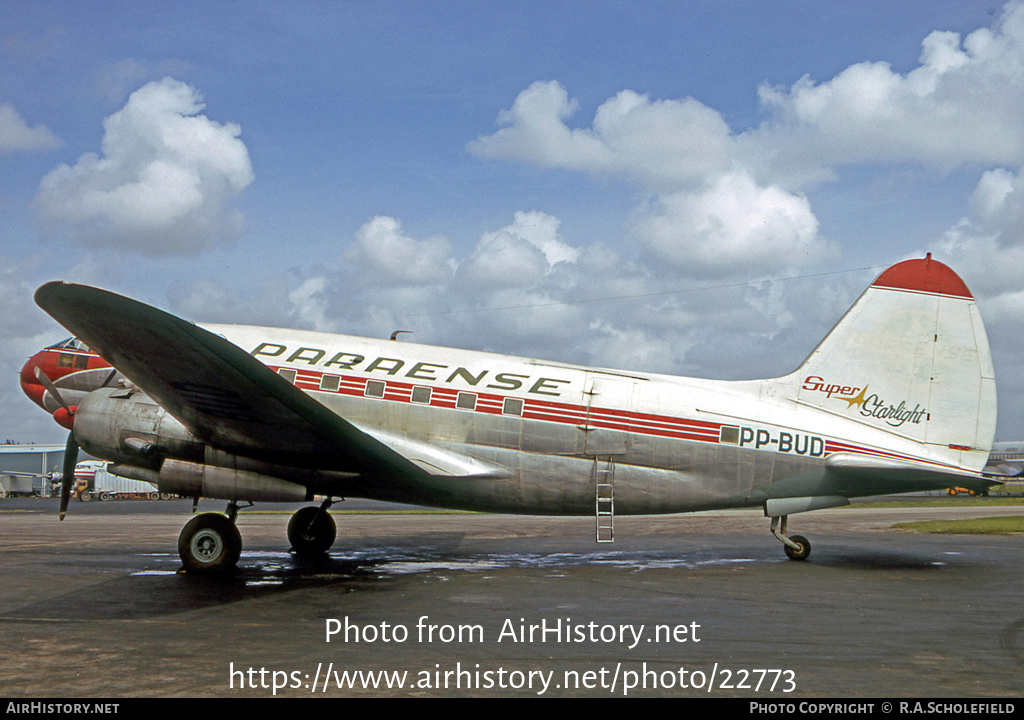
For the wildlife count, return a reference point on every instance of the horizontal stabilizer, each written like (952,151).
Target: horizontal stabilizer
(861,475)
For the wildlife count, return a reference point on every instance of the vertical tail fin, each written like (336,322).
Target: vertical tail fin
(911,359)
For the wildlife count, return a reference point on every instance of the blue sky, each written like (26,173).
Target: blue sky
(363,166)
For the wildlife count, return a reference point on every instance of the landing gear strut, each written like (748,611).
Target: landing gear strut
(312,531)
(797,547)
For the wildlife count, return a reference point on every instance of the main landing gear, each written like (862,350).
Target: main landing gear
(312,531)
(210,542)
(797,547)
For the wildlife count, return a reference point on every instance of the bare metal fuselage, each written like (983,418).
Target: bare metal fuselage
(667,444)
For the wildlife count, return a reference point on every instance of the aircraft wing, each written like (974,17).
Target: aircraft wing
(229,399)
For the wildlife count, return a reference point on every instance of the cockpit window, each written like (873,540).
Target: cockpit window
(71,343)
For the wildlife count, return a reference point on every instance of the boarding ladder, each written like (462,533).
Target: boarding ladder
(604,500)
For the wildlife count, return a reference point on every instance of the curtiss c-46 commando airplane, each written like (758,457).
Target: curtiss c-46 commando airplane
(899,397)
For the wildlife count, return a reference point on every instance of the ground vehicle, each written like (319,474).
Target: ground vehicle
(964,491)
(94,481)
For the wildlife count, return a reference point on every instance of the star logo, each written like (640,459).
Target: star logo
(858,401)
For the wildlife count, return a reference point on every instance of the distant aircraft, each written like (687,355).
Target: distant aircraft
(1006,459)
(899,397)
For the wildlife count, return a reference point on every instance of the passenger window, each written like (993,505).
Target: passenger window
(421,394)
(512,406)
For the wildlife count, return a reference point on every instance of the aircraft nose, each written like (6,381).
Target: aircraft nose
(30,385)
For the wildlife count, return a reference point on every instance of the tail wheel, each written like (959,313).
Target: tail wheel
(797,547)
(800,553)
(209,543)
(311,531)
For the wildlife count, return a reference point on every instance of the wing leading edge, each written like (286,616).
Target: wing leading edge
(229,399)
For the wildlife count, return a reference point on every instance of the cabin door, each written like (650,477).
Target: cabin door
(611,402)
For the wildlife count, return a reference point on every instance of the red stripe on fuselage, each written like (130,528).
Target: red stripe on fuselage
(566,413)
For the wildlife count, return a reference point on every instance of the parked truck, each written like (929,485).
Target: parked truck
(17,485)
(94,481)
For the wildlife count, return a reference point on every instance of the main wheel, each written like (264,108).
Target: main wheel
(803,552)
(311,532)
(209,543)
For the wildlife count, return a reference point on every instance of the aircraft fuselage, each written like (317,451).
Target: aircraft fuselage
(673,444)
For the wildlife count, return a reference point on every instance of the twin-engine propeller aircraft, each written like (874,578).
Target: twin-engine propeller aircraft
(899,397)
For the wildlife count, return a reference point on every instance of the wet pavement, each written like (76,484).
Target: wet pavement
(480,605)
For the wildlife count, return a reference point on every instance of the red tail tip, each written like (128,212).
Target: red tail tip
(927,275)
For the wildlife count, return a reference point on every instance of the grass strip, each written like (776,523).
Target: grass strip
(1008,525)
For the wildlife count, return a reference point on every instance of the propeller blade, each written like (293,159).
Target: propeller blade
(70,461)
(51,388)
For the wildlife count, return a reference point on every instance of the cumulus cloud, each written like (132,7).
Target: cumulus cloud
(708,213)
(383,252)
(518,254)
(988,246)
(664,144)
(734,226)
(729,201)
(17,136)
(164,184)
(536,132)
(962,104)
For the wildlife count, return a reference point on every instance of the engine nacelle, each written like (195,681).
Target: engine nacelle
(190,479)
(127,426)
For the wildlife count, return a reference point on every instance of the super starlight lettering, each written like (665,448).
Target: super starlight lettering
(894,415)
